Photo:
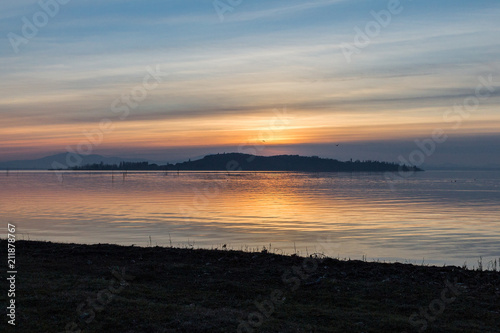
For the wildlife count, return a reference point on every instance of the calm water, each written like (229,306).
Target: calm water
(435,216)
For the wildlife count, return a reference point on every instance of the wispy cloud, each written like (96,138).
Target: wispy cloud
(228,75)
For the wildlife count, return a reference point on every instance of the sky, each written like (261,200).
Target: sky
(415,81)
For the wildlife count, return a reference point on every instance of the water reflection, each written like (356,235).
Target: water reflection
(444,217)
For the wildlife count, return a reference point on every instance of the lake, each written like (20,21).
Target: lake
(435,217)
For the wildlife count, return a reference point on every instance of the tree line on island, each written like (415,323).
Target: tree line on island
(247,162)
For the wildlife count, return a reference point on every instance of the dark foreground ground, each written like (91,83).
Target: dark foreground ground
(108,288)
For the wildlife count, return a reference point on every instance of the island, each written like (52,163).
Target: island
(247,162)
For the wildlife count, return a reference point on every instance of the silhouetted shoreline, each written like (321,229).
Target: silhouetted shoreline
(246,162)
(111,288)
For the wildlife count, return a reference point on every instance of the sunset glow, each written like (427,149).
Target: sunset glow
(196,84)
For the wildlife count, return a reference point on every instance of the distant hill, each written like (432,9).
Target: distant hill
(61,161)
(246,162)
(235,161)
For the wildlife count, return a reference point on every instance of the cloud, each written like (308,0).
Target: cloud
(264,55)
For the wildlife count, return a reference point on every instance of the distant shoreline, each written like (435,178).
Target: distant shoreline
(246,162)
